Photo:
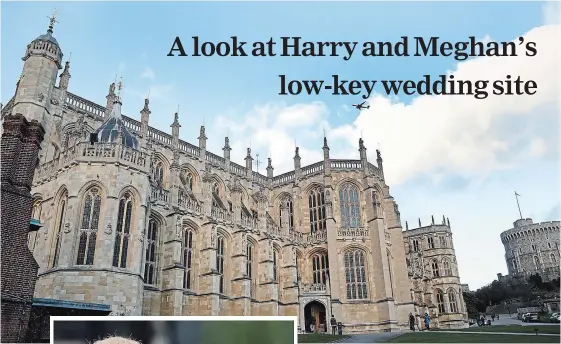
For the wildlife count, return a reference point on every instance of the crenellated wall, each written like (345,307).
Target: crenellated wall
(532,248)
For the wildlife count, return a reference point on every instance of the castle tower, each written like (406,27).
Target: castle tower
(42,61)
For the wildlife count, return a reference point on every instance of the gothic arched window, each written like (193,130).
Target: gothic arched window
(440,301)
(316,200)
(61,213)
(350,206)
(320,268)
(447,268)
(150,266)
(249,268)
(430,241)
(415,245)
(188,258)
(220,256)
(435,269)
(355,275)
(287,204)
(123,231)
(159,172)
(88,229)
(452,299)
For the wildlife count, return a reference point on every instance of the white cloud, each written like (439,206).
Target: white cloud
(148,73)
(460,134)
(431,135)
(551,12)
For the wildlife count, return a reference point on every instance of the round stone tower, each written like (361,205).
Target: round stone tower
(532,248)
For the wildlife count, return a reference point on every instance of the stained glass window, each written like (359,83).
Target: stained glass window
(320,268)
(89,226)
(122,233)
(440,301)
(350,206)
(150,266)
(59,225)
(220,250)
(452,299)
(430,241)
(355,275)
(188,258)
(447,268)
(435,269)
(316,200)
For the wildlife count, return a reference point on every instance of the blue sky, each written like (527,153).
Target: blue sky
(442,155)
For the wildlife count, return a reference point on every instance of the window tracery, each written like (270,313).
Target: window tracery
(349,206)
(123,231)
(89,226)
(355,275)
(316,200)
(150,266)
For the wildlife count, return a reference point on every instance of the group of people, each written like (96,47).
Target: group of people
(413,322)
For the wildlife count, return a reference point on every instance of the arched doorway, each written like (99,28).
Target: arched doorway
(315,314)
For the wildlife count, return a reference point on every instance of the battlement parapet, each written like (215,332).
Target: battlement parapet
(531,229)
(433,227)
(159,138)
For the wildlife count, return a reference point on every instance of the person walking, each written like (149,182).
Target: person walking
(333,325)
(427,321)
(411,322)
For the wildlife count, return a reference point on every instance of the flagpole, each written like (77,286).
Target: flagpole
(518,204)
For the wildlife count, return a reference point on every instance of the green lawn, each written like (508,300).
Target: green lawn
(247,332)
(511,328)
(319,338)
(436,337)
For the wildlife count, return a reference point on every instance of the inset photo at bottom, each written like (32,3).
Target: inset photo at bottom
(173,330)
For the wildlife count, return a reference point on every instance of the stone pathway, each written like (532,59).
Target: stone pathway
(513,333)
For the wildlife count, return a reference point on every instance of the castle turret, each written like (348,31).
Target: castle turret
(42,61)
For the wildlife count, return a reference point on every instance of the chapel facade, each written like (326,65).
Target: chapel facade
(135,221)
